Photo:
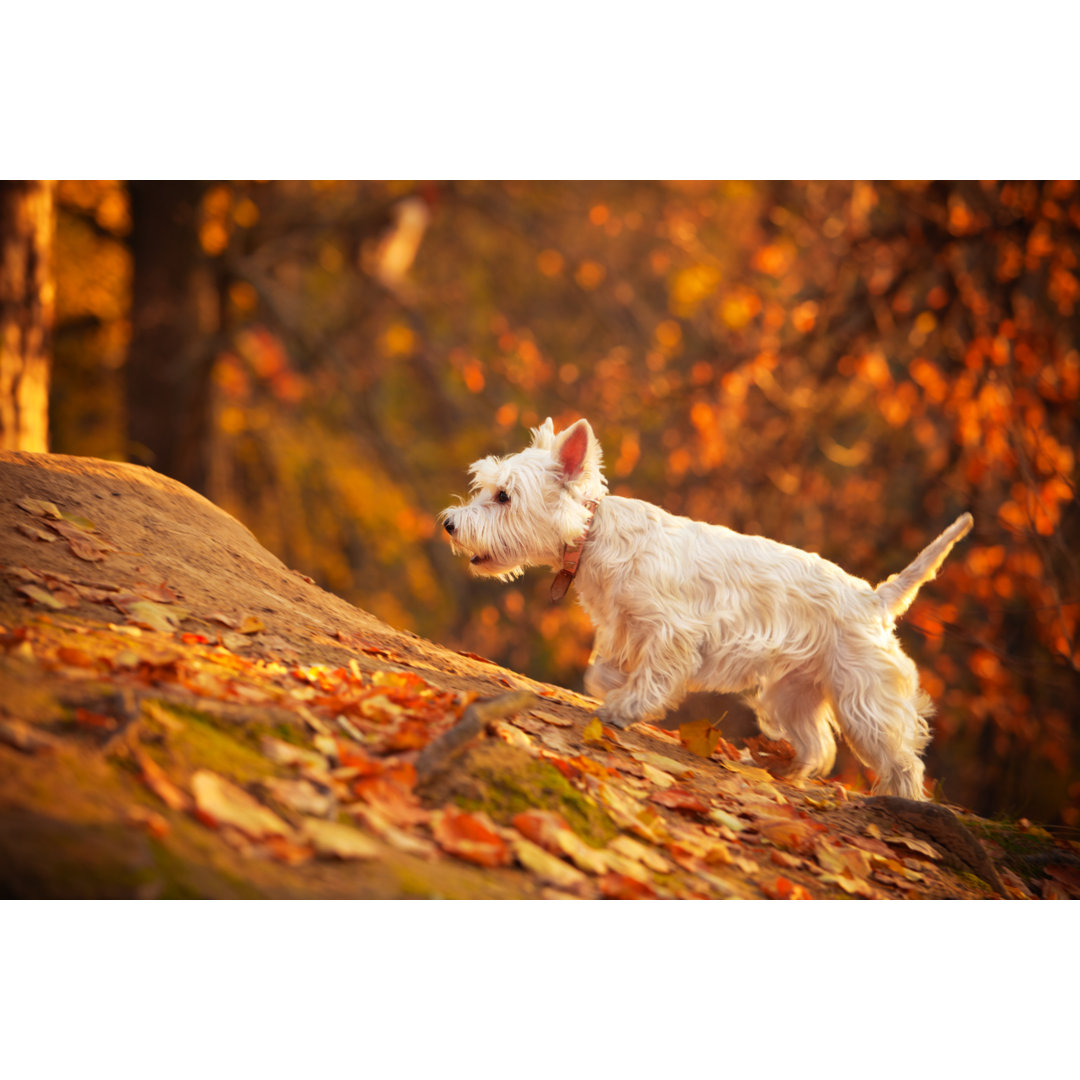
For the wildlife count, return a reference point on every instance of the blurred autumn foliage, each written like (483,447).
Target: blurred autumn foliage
(841,366)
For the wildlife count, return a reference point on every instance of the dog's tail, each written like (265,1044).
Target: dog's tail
(900,590)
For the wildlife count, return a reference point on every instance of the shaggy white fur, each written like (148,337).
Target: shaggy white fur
(680,605)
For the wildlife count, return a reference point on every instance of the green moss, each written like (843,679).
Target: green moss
(197,742)
(1026,851)
(506,782)
(177,877)
(974,883)
(1012,839)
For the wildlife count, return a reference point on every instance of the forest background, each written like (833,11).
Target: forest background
(841,366)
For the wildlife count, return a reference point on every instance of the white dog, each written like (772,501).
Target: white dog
(680,605)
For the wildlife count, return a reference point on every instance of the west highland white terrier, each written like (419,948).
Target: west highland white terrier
(680,605)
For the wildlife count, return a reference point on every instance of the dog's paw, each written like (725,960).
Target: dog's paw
(614,719)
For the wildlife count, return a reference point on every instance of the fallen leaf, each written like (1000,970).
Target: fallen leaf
(252,624)
(791,833)
(392,800)
(584,856)
(541,827)
(88,718)
(34,533)
(851,885)
(921,846)
(553,720)
(162,593)
(593,732)
(784,889)
(150,820)
(153,776)
(699,737)
(729,821)
(302,796)
(287,851)
(284,753)
(842,860)
(469,836)
(386,830)
(509,734)
(630,813)
(220,802)
(699,847)
(87,548)
(545,866)
(623,887)
(233,641)
(633,849)
(39,507)
(75,657)
(79,520)
(150,615)
(224,620)
(775,754)
(659,761)
(680,799)
(330,838)
(55,602)
(24,737)
(786,860)
(656,776)
(750,772)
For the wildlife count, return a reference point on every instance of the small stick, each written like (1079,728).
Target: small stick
(473,721)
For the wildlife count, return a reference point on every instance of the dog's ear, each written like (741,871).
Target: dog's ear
(544,435)
(572,449)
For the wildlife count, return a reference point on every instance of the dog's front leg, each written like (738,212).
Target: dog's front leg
(657,683)
(602,676)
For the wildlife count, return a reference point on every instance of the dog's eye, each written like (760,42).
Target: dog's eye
(502,497)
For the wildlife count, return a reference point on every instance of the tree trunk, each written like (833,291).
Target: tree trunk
(26,313)
(175,317)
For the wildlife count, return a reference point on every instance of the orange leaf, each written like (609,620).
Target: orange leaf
(75,657)
(469,836)
(623,887)
(783,889)
(793,834)
(95,720)
(680,799)
(541,827)
(220,802)
(153,776)
(392,800)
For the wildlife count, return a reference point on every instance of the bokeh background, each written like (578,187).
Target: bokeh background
(841,366)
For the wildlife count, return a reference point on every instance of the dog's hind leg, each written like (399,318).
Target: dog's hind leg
(882,714)
(796,709)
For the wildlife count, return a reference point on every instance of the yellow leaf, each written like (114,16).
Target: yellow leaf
(751,772)
(659,761)
(339,841)
(546,866)
(699,737)
(593,731)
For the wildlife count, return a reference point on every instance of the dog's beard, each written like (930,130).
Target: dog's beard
(487,564)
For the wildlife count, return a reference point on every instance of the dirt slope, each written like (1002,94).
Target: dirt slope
(181,715)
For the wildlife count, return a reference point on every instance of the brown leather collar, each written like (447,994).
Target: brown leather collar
(572,556)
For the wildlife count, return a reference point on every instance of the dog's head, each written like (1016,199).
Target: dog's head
(526,508)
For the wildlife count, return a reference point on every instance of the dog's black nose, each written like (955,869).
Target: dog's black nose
(448,525)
